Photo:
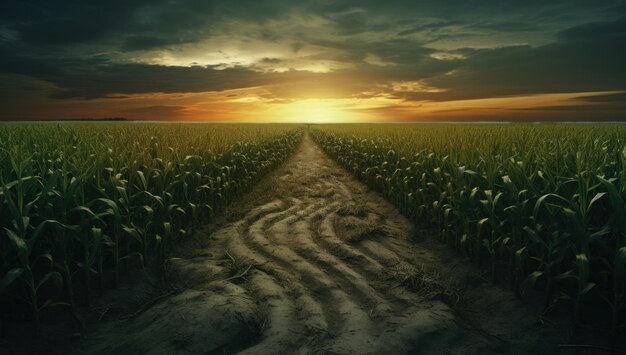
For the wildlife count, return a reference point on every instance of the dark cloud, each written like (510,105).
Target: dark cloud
(141,78)
(593,31)
(431,27)
(66,22)
(358,22)
(498,26)
(590,62)
(157,110)
(140,43)
(606,106)
(271,60)
(155,22)
(577,108)
(455,49)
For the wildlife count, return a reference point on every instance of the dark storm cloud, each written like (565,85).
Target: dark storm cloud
(616,107)
(66,22)
(141,78)
(592,60)
(498,26)
(140,23)
(140,43)
(97,77)
(429,27)
(394,51)
(511,48)
(154,23)
(157,110)
(596,31)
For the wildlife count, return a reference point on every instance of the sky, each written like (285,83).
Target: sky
(314,61)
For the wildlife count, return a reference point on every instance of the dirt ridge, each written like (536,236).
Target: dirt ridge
(317,264)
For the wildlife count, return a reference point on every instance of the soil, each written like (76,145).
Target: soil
(311,261)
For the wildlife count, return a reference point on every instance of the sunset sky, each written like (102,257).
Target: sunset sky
(313,61)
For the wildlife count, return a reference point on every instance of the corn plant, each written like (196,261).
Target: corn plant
(543,204)
(80,202)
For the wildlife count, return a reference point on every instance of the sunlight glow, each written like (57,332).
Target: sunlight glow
(314,110)
(260,105)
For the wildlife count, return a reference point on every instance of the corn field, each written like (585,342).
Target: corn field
(81,203)
(539,207)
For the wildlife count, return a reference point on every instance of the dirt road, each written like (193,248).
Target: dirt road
(316,263)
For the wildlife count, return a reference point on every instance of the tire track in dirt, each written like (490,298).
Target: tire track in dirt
(318,264)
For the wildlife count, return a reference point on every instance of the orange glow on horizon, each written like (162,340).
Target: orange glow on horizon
(258,105)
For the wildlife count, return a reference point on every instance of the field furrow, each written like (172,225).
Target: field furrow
(309,265)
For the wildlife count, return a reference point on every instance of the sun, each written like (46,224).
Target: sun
(315,111)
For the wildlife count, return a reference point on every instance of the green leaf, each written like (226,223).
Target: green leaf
(10,185)
(53,277)
(108,241)
(20,246)
(619,205)
(534,277)
(620,263)
(570,274)
(86,210)
(582,264)
(47,257)
(595,199)
(606,230)
(519,257)
(535,237)
(144,182)
(10,277)
(587,288)
(133,233)
(35,235)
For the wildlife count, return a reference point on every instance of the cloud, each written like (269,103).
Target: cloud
(504,26)
(596,31)
(66,22)
(616,97)
(458,50)
(155,112)
(103,80)
(572,64)
(141,43)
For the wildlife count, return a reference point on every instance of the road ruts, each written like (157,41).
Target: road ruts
(301,273)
